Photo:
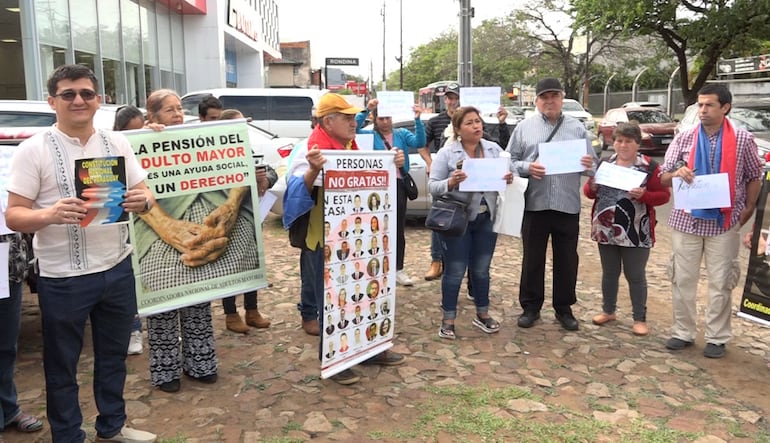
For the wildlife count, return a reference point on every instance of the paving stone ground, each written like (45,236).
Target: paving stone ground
(269,387)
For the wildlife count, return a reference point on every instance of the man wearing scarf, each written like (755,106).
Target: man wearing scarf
(714,146)
(336,129)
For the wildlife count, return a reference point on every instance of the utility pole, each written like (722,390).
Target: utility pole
(401,45)
(464,52)
(384,88)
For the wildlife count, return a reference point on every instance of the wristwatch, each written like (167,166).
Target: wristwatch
(147,206)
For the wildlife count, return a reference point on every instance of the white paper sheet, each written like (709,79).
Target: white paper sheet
(510,208)
(365,142)
(618,177)
(5,289)
(396,104)
(265,203)
(484,174)
(485,98)
(705,192)
(562,157)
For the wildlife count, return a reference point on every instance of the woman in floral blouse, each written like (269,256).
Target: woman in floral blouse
(623,224)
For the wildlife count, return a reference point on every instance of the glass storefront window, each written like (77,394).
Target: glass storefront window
(129,14)
(54,34)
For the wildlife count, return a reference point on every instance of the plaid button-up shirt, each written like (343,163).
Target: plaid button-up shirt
(748,168)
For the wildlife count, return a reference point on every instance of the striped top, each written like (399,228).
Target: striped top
(553,192)
(748,167)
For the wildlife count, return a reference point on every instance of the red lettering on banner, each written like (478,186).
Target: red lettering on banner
(212,182)
(220,154)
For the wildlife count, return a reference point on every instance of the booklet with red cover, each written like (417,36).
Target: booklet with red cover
(101,183)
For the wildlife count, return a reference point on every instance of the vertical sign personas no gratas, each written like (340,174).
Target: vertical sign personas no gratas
(359,257)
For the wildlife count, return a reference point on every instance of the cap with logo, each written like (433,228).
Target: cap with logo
(548,84)
(454,88)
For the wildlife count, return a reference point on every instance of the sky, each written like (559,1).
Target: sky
(347,28)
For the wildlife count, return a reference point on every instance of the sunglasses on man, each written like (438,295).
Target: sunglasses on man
(69,95)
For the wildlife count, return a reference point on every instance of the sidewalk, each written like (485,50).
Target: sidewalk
(538,384)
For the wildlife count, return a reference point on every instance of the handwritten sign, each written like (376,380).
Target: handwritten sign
(484,174)
(618,177)
(563,157)
(485,98)
(396,104)
(705,192)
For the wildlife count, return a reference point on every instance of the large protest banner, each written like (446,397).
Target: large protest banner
(755,303)
(202,240)
(359,257)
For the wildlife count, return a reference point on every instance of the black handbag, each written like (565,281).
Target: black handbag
(448,216)
(409,185)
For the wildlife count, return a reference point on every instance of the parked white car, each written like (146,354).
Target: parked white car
(573,108)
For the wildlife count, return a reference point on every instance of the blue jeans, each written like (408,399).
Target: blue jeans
(108,298)
(472,251)
(311,270)
(10,319)
(311,273)
(435,247)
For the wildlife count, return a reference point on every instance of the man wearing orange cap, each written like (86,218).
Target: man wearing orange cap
(303,208)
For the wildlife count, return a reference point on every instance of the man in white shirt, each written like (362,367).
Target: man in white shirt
(85,272)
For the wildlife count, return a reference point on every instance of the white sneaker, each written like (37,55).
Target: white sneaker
(135,343)
(128,435)
(403,278)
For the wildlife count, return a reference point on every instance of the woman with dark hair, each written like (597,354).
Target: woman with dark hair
(474,249)
(128,117)
(386,137)
(623,224)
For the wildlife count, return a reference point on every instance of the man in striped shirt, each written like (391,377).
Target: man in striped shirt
(552,206)
(695,234)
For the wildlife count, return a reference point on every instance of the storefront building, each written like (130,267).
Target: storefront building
(137,46)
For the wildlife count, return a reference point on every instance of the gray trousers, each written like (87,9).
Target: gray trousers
(634,263)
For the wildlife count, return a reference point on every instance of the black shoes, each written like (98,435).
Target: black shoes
(170,386)
(677,344)
(528,319)
(567,320)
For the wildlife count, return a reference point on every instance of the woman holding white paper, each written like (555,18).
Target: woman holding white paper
(474,249)
(623,224)
(387,137)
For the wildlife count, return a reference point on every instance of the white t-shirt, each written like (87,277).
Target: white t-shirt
(44,174)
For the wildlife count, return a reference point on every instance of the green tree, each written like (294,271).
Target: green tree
(558,48)
(705,29)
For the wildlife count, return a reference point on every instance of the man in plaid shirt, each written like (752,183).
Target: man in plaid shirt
(713,147)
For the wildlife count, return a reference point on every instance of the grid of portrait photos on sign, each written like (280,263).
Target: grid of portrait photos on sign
(359,279)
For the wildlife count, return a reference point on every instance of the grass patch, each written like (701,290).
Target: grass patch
(250,383)
(291,426)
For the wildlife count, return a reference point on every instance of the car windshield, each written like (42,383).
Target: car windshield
(648,116)
(572,106)
(752,120)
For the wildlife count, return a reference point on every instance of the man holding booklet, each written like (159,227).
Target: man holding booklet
(553,150)
(713,147)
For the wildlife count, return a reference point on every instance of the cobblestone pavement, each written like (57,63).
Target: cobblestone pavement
(621,385)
